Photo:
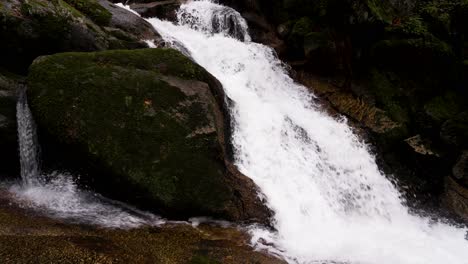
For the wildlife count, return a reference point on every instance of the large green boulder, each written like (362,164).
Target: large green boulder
(152,124)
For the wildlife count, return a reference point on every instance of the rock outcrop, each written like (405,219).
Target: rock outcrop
(9,84)
(149,125)
(39,27)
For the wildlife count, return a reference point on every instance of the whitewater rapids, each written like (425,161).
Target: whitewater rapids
(331,202)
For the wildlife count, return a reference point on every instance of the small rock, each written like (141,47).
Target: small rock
(283,30)
(420,145)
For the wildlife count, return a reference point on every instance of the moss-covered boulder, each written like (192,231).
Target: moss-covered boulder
(150,125)
(39,27)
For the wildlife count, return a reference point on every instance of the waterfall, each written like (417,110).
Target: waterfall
(27,140)
(60,196)
(331,202)
(214,19)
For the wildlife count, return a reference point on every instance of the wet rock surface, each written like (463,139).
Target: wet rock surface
(26,237)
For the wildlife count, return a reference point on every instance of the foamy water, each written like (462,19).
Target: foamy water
(330,200)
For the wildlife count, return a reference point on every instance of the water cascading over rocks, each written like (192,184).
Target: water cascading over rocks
(331,202)
(216,19)
(27,139)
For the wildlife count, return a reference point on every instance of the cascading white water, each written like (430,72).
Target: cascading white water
(330,200)
(60,197)
(27,140)
(219,20)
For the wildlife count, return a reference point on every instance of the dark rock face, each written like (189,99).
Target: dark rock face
(456,198)
(8,136)
(149,123)
(456,187)
(39,27)
(455,131)
(460,170)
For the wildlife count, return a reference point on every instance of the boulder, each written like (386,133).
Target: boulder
(8,136)
(40,27)
(130,23)
(150,127)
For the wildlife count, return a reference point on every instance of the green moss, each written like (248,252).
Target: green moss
(388,96)
(302,27)
(50,22)
(315,40)
(53,27)
(412,27)
(93,10)
(33,6)
(439,12)
(444,107)
(381,9)
(70,8)
(381,86)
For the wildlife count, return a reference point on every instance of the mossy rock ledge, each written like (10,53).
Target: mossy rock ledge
(148,126)
(31,28)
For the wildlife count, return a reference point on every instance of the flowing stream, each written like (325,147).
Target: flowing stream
(331,202)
